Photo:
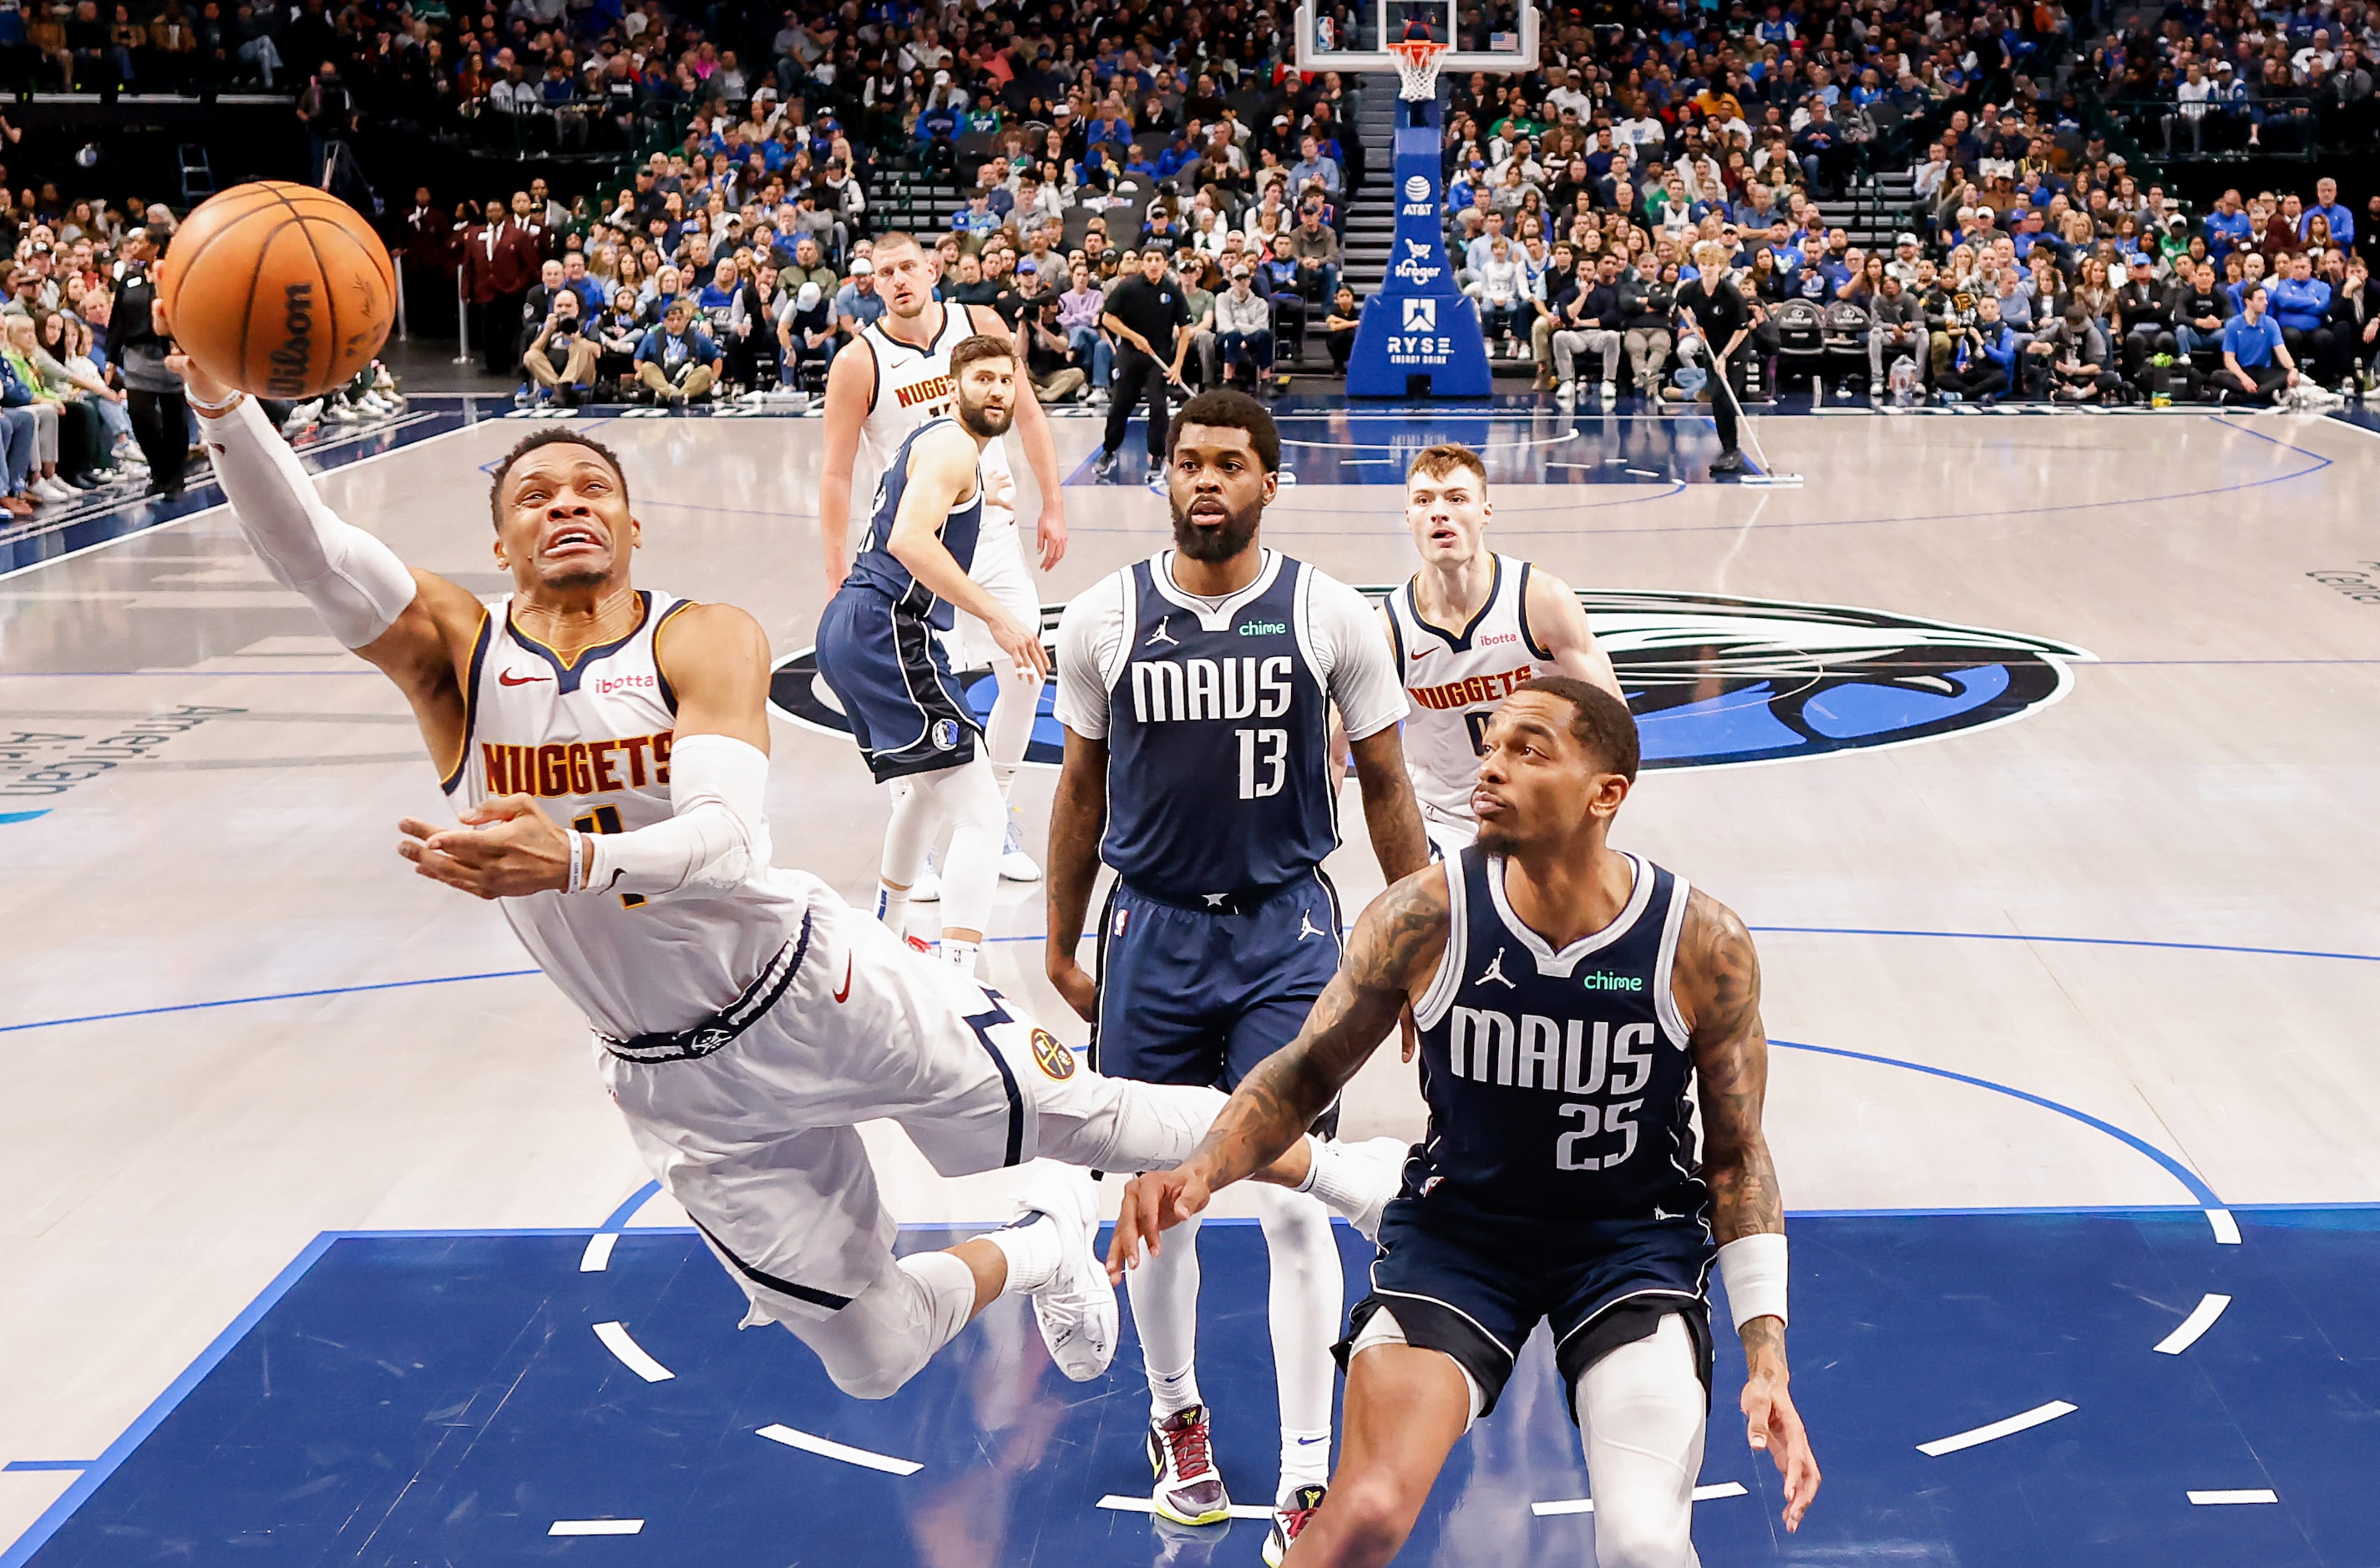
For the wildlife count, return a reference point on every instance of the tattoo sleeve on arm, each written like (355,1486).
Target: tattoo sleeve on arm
(1394,949)
(1720,978)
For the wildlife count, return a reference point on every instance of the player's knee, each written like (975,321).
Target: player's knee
(1641,1533)
(1371,1516)
(868,1381)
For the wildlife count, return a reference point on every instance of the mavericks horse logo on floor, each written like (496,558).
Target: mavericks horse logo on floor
(1714,680)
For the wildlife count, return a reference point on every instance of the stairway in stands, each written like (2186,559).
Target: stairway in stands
(1372,206)
(1875,210)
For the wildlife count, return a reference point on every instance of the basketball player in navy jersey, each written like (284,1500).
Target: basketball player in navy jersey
(878,642)
(1196,688)
(1573,1004)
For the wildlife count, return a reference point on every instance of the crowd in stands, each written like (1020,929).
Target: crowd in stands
(736,259)
(2230,79)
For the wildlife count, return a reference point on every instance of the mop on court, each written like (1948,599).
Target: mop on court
(1770,476)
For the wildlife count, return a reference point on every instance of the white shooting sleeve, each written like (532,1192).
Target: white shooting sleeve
(354,581)
(716,838)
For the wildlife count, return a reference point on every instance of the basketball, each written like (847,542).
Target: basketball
(279,290)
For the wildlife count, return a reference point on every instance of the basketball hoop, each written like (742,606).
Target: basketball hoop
(1417,67)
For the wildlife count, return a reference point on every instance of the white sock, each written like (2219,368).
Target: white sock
(1164,1293)
(1307,1304)
(1346,1186)
(893,907)
(959,954)
(1034,1249)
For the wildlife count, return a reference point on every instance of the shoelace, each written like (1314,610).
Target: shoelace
(1294,1521)
(1187,1446)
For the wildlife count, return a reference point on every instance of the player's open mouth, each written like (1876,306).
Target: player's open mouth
(572,541)
(1444,536)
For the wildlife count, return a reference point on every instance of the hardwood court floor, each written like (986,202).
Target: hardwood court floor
(2082,917)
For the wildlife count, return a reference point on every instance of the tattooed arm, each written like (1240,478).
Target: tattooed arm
(1391,957)
(1717,987)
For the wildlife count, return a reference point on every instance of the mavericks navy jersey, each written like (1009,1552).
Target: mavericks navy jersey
(1219,766)
(877,566)
(1559,1084)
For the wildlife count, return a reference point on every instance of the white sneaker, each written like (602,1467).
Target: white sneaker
(927,888)
(1188,1490)
(1608,392)
(1076,1310)
(1566,393)
(344,413)
(1016,866)
(56,489)
(305,414)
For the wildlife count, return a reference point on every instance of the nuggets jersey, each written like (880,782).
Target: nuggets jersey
(1219,766)
(876,564)
(591,740)
(1559,1084)
(913,385)
(1454,679)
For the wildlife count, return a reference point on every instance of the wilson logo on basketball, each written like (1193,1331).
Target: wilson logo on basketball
(1051,1053)
(290,361)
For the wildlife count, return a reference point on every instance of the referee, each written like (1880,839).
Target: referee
(1718,321)
(1147,315)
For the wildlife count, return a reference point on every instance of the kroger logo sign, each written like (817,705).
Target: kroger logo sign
(1416,268)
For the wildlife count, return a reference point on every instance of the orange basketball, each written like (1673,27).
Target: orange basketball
(280,289)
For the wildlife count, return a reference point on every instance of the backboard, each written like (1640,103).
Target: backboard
(1353,35)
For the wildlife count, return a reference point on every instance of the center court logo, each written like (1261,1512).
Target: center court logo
(1713,681)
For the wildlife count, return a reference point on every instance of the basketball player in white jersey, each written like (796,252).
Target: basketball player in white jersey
(895,377)
(1468,629)
(745,1019)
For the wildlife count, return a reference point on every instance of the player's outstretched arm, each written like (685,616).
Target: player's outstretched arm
(411,625)
(942,468)
(1718,991)
(1558,622)
(1391,958)
(716,837)
(850,381)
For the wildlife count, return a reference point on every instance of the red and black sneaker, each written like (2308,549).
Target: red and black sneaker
(1290,1517)
(1189,1490)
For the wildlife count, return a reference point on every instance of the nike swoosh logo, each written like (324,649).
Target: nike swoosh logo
(1302,1443)
(846,991)
(1423,654)
(508,678)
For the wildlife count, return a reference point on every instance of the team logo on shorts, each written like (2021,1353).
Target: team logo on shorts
(1051,1053)
(945,733)
(1715,681)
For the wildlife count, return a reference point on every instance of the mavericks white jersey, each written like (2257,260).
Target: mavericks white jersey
(591,740)
(914,384)
(1454,678)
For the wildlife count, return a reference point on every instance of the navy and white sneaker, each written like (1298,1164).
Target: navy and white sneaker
(1189,1490)
(1290,1517)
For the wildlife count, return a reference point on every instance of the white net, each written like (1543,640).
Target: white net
(1417,68)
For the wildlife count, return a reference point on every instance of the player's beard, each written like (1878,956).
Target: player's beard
(1220,540)
(988,423)
(1499,840)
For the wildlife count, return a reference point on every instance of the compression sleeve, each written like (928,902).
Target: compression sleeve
(354,581)
(716,838)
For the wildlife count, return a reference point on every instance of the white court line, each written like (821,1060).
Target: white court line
(2202,1318)
(2258,1494)
(1124,1504)
(597,1256)
(2014,1424)
(1586,1504)
(832,1449)
(2226,1229)
(632,1355)
(597,1528)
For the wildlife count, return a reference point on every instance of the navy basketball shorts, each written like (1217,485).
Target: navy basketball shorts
(890,675)
(1201,996)
(1472,1284)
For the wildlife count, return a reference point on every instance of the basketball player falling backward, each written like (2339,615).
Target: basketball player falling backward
(897,376)
(745,1018)
(1574,1002)
(1196,688)
(1467,628)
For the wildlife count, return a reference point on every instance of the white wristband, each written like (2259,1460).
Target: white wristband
(1753,1269)
(578,862)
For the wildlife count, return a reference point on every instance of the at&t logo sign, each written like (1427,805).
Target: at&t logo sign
(1420,199)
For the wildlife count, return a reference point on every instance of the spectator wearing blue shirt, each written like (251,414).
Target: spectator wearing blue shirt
(2226,227)
(2256,363)
(1312,165)
(856,304)
(2300,302)
(2327,207)
(677,362)
(975,221)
